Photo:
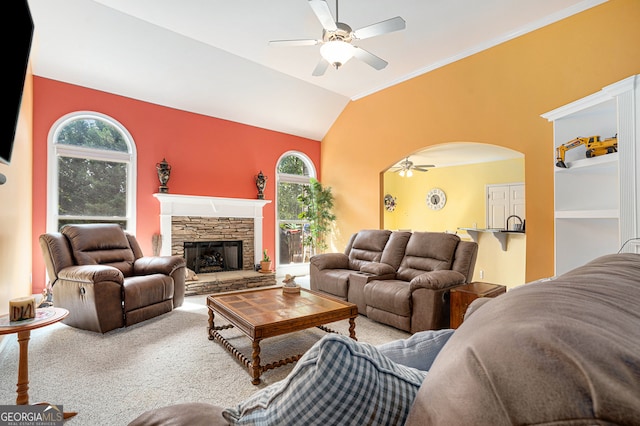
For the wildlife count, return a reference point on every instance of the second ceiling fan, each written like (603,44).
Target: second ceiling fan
(406,167)
(337,39)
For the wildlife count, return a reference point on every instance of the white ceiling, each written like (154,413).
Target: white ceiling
(461,153)
(212,57)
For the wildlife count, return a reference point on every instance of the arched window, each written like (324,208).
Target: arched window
(92,161)
(293,172)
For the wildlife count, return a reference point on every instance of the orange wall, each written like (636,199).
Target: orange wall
(209,156)
(493,97)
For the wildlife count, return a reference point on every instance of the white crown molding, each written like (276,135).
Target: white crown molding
(607,93)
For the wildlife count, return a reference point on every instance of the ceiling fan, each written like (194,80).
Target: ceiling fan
(337,39)
(405,167)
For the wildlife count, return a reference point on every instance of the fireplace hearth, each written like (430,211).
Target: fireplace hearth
(191,218)
(213,256)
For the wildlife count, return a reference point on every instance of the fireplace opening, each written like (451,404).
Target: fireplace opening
(213,256)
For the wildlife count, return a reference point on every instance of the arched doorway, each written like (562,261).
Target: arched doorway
(463,171)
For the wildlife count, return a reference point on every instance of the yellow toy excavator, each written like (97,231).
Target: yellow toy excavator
(594,146)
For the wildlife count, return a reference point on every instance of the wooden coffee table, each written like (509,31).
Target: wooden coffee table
(267,312)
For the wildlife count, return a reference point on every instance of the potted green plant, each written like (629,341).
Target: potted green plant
(265,263)
(317,208)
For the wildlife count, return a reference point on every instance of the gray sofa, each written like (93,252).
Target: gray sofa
(559,352)
(397,278)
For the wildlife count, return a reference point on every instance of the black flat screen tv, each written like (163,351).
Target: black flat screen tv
(18,30)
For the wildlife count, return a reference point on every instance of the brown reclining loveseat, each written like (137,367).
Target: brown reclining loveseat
(99,274)
(397,278)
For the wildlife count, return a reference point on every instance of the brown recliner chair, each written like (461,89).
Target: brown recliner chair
(99,274)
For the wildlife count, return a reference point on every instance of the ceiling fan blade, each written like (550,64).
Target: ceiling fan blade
(369,58)
(321,9)
(382,27)
(425,165)
(294,42)
(320,68)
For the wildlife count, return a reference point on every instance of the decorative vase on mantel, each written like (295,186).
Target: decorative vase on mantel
(261,183)
(164,173)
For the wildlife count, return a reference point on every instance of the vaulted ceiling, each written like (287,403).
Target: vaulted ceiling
(213,57)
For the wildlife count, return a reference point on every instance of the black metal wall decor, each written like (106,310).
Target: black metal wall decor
(164,173)
(261,183)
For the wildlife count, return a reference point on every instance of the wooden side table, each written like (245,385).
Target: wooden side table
(44,317)
(462,296)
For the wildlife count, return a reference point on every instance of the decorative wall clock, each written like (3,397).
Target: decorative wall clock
(389,202)
(436,199)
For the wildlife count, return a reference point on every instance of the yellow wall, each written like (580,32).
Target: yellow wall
(494,97)
(15,210)
(465,188)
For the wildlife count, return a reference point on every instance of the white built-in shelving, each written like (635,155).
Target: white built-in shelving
(596,200)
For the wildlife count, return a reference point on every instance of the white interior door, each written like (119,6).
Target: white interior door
(497,205)
(504,201)
(516,200)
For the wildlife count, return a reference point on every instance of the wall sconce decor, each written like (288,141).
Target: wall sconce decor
(261,182)
(164,173)
(390,202)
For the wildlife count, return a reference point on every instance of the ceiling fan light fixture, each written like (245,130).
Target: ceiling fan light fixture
(337,52)
(409,173)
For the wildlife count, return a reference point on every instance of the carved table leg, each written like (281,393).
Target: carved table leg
(23,368)
(211,315)
(352,328)
(23,374)
(255,362)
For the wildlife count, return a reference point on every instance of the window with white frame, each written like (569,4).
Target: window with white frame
(92,161)
(294,171)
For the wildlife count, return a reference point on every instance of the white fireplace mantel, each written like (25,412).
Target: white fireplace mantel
(194,205)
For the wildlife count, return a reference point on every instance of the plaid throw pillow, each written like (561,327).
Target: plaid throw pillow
(337,382)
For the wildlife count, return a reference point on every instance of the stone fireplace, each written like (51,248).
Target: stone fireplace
(195,230)
(223,235)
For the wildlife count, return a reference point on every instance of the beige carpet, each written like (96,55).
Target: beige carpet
(109,379)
